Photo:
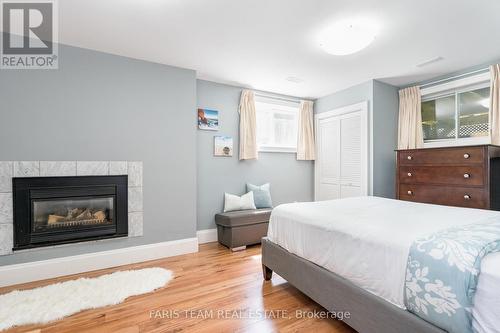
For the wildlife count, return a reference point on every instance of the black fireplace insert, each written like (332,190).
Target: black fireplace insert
(55,210)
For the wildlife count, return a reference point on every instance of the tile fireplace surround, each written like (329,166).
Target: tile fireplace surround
(10,169)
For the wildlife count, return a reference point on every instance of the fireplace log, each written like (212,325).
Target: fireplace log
(53,219)
(100,215)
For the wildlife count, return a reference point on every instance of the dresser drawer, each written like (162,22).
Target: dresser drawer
(453,175)
(462,155)
(441,195)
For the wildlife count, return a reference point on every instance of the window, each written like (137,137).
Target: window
(457,114)
(277,124)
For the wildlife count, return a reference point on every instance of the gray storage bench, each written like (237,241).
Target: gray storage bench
(240,228)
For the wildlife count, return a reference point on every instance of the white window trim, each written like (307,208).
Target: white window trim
(474,81)
(271,149)
(457,142)
(286,103)
(470,80)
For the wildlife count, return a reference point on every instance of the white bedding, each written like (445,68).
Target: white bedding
(367,239)
(486,310)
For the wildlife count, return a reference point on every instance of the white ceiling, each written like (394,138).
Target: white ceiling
(259,43)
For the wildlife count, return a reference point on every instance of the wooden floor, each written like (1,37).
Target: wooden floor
(209,289)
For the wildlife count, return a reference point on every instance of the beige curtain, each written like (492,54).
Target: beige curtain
(410,134)
(305,142)
(495,104)
(248,135)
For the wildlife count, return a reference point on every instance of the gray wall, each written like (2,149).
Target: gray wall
(291,180)
(383,105)
(104,107)
(385,137)
(355,94)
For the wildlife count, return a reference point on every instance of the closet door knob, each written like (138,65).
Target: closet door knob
(409,157)
(467,197)
(409,174)
(466,175)
(466,156)
(410,192)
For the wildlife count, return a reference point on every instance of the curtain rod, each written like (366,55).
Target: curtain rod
(296,100)
(454,77)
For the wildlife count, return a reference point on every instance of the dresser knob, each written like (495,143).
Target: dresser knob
(466,175)
(409,174)
(409,157)
(410,192)
(467,197)
(466,155)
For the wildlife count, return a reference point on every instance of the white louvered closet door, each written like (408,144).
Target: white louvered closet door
(350,155)
(341,168)
(327,162)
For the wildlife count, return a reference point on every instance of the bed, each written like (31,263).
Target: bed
(352,255)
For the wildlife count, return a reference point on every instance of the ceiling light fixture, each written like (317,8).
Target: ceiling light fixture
(348,37)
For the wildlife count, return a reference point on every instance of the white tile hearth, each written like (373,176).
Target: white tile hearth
(6,208)
(118,168)
(27,169)
(9,169)
(6,239)
(134,173)
(134,199)
(93,168)
(57,168)
(6,172)
(135,224)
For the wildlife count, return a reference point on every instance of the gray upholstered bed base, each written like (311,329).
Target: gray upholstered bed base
(368,313)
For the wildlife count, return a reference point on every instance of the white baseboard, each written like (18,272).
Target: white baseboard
(46,269)
(206,236)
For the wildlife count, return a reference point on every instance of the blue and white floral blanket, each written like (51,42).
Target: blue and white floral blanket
(443,270)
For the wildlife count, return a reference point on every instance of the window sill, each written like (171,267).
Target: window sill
(277,150)
(457,142)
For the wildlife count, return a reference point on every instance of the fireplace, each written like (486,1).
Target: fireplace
(56,210)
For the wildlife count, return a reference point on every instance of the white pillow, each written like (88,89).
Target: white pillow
(233,202)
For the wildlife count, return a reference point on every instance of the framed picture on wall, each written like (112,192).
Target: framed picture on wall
(208,120)
(223,146)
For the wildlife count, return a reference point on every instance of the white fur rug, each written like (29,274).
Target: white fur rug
(56,301)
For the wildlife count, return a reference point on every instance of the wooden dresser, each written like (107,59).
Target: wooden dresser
(455,176)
